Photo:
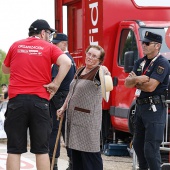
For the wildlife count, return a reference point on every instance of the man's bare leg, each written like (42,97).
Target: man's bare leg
(13,162)
(42,162)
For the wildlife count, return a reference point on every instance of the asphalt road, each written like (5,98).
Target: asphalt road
(28,160)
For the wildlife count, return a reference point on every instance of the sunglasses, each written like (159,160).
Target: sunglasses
(148,43)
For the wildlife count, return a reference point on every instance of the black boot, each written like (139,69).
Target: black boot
(70,164)
(55,167)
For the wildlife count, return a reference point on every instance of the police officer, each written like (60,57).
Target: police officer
(150,76)
(61,41)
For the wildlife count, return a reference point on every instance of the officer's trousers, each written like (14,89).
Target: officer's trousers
(55,103)
(149,130)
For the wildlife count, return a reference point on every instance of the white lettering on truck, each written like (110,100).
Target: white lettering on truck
(93,7)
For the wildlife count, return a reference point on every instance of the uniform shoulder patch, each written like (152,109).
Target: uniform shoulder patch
(160,70)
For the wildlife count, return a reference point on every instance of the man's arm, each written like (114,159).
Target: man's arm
(149,86)
(5,69)
(132,80)
(142,82)
(64,64)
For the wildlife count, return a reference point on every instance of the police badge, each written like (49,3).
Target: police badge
(160,70)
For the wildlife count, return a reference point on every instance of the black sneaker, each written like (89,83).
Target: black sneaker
(55,167)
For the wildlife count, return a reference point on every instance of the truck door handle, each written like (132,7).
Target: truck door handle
(115,81)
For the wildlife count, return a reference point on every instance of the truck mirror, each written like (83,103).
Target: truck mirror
(128,61)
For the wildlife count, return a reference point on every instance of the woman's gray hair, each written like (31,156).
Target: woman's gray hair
(98,47)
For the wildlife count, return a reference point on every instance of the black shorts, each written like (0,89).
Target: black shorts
(23,112)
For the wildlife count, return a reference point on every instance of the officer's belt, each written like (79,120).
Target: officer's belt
(156,100)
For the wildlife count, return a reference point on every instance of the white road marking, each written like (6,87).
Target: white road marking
(26,163)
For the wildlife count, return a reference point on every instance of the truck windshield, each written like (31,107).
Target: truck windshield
(165,51)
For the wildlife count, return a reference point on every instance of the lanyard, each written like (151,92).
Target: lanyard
(151,63)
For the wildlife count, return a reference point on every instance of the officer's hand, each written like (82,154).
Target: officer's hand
(142,79)
(132,74)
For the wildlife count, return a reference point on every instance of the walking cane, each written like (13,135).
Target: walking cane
(57,140)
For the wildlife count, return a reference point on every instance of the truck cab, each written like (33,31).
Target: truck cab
(117,26)
(128,51)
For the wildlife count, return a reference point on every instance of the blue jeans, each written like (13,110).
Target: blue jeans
(149,130)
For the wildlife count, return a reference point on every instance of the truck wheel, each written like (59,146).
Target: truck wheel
(166,167)
(131,120)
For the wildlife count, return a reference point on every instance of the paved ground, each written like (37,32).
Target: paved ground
(28,160)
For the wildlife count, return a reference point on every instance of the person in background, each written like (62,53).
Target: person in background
(4,91)
(150,76)
(84,112)
(61,41)
(28,62)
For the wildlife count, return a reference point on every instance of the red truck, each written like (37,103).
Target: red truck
(116,25)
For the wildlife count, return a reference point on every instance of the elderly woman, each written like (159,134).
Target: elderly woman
(84,112)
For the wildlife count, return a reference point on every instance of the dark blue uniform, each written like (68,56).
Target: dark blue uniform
(56,102)
(150,124)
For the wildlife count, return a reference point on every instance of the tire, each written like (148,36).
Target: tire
(166,167)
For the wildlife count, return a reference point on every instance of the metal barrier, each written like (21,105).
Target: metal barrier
(135,161)
(164,146)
